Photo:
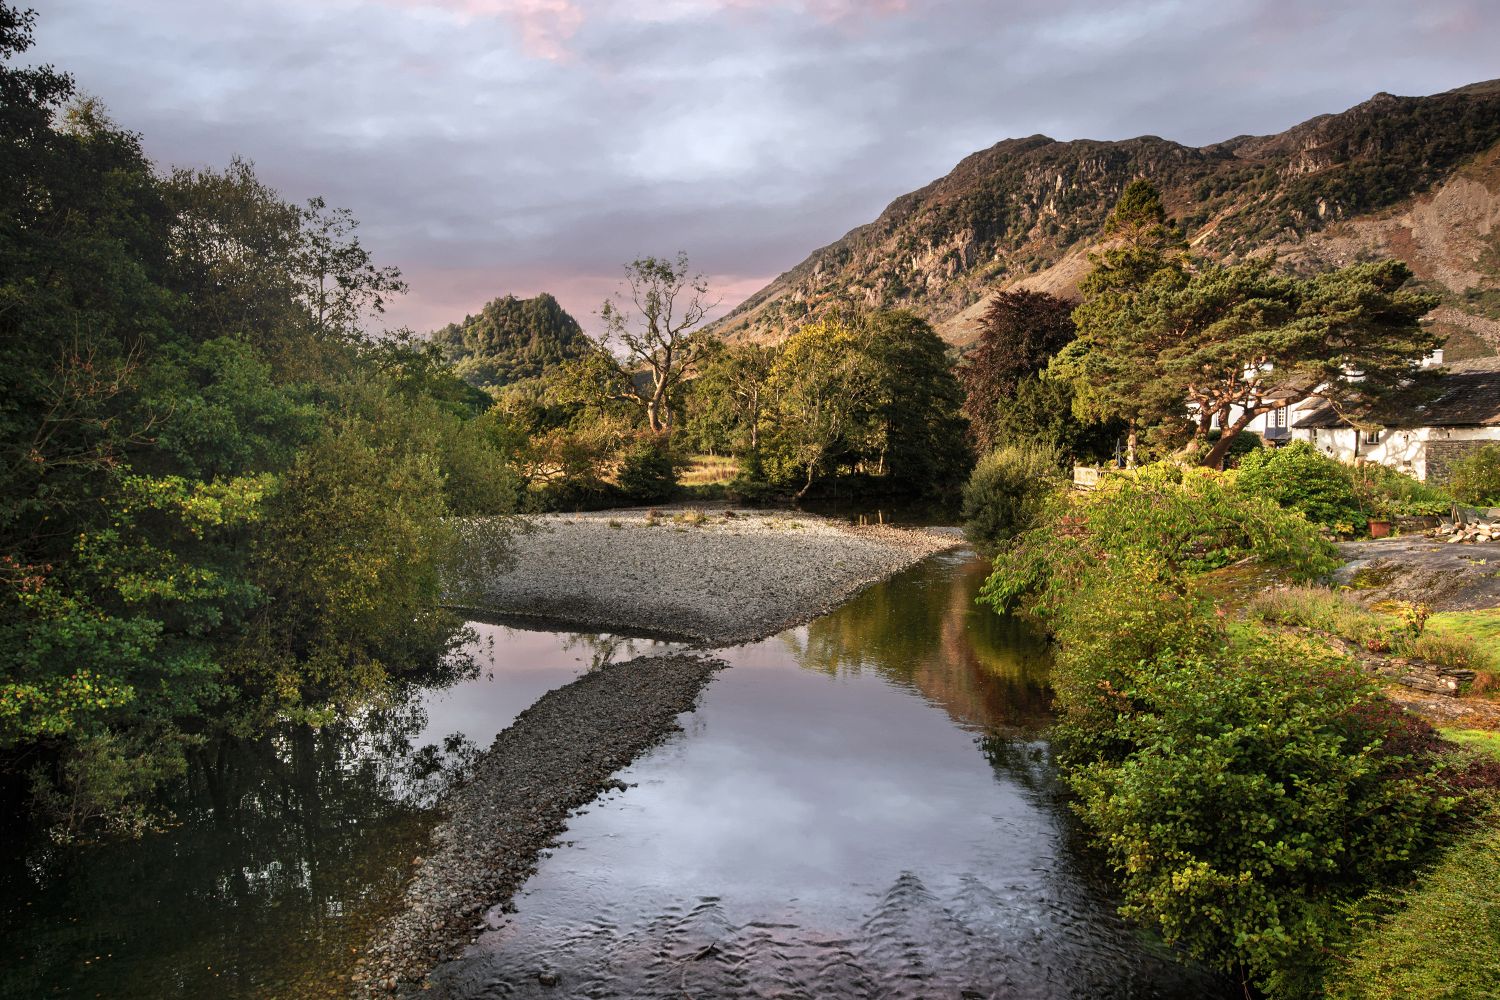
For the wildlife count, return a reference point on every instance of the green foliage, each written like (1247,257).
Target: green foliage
(1007,492)
(1476,478)
(223,504)
(1443,939)
(1301,478)
(821,388)
(512,339)
(1263,788)
(876,395)
(918,434)
(1248,788)
(1160,337)
(1191,520)
(648,470)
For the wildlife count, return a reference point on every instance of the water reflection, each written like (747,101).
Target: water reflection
(818,830)
(288,849)
(924,629)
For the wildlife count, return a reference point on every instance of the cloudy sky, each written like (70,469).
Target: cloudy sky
(494,146)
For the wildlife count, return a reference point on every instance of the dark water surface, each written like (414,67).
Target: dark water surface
(289,848)
(862,807)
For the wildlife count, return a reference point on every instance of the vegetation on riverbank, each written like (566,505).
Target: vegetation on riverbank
(1250,787)
(223,506)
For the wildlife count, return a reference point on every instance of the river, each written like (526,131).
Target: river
(863,806)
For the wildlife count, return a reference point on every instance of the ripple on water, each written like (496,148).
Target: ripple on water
(838,819)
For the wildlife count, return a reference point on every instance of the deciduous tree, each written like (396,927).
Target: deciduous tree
(656,318)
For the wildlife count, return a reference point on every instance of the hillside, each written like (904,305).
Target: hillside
(1413,177)
(511,339)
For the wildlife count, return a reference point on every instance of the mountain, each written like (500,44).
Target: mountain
(1412,177)
(512,339)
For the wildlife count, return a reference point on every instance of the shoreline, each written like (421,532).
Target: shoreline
(558,756)
(712,578)
(722,581)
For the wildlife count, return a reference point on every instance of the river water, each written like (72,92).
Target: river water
(864,806)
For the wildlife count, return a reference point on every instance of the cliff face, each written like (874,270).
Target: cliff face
(1413,177)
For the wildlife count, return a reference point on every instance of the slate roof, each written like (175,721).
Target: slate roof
(1467,395)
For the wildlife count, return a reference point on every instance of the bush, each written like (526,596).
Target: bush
(1264,791)
(1192,520)
(648,471)
(1006,493)
(1300,478)
(1476,479)
(1249,788)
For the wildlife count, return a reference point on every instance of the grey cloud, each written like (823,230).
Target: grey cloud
(747,133)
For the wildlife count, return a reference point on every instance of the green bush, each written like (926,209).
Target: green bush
(1006,493)
(1248,787)
(1300,478)
(648,470)
(1264,790)
(1476,479)
(1444,940)
(1192,520)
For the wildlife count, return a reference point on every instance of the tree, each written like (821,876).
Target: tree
(1020,332)
(918,434)
(656,319)
(728,397)
(1252,340)
(512,339)
(820,389)
(1111,366)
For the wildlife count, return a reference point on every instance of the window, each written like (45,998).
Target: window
(1278,417)
(1372,437)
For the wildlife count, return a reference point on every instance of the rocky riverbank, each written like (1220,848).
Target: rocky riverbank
(558,755)
(713,577)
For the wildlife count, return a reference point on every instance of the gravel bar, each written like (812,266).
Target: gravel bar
(558,755)
(715,578)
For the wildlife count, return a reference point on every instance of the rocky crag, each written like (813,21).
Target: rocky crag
(1412,177)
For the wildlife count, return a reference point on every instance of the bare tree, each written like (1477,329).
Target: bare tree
(656,316)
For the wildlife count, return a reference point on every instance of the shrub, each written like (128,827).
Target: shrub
(1476,479)
(1248,787)
(648,471)
(1386,490)
(1192,520)
(1006,493)
(1300,478)
(1259,799)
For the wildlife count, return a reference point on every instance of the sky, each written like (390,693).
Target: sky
(517,146)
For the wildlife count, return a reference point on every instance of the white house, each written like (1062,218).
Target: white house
(1423,442)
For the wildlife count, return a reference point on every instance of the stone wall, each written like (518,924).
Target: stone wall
(1442,455)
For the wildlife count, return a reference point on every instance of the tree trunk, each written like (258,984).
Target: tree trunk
(1130,441)
(812,470)
(1215,457)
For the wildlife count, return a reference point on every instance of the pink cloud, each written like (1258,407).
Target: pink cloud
(445,295)
(545,26)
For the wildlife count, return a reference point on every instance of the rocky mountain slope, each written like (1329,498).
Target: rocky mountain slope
(511,339)
(1412,177)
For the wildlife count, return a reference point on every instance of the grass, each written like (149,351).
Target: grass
(1483,626)
(1484,740)
(1451,639)
(709,470)
(1443,942)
